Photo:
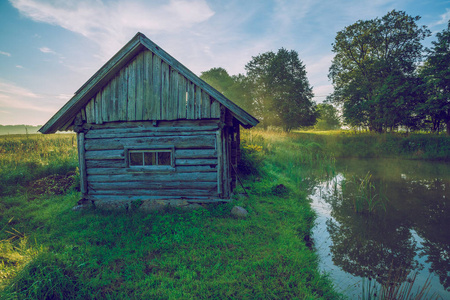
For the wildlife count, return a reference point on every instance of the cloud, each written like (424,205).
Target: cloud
(444,18)
(47,50)
(5,53)
(19,67)
(111,24)
(13,96)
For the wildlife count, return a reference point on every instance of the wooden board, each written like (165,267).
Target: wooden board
(140,86)
(82,163)
(122,98)
(131,107)
(152,177)
(181,169)
(195,141)
(148,85)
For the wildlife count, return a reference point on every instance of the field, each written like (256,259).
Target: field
(49,251)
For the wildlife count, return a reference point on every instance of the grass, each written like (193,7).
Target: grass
(24,158)
(50,251)
(365,196)
(350,144)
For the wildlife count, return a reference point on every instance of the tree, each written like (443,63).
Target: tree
(373,68)
(235,88)
(280,89)
(436,74)
(327,117)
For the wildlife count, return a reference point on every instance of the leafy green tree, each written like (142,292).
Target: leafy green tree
(235,88)
(373,69)
(280,89)
(327,117)
(436,74)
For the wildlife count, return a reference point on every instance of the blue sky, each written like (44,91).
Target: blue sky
(49,48)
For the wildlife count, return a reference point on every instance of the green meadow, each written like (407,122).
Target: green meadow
(49,251)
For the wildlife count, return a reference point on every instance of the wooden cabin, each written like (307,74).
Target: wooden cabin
(149,129)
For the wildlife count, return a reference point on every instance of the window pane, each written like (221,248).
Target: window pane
(164,158)
(135,158)
(149,158)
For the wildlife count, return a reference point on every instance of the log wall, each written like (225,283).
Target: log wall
(200,171)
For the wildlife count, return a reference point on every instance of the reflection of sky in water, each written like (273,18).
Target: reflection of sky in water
(323,201)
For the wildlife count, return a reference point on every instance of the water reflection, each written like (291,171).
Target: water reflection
(410,235)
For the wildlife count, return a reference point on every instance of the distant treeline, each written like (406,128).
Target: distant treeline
(18,129)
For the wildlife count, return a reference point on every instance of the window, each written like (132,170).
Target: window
(158,159)
(150,158)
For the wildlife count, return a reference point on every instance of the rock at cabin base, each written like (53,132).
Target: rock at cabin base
(239,212)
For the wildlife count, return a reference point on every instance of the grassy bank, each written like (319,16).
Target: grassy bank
(49,251)
(345,144)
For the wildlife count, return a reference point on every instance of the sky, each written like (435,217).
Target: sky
(50,48)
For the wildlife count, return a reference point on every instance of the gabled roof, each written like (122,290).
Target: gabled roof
(137,44)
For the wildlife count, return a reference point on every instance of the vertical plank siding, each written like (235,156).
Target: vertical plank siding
(148,88)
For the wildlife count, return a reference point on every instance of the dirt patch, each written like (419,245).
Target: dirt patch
(54,184)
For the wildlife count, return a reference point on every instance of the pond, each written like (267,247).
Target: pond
(384,222)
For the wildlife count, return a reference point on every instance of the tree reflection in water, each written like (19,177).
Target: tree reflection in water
(381,244)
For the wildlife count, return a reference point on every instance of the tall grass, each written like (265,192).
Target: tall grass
(365,195)
(28,157)
(345,144)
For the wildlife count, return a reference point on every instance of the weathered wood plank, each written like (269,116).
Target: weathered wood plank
(82,163)
(131,107)
(173,99)
(215,109)
(180,169)
(165,90)
(226,163)
(161,123)
(198,102)
(140,86)
(98,108)
(155,133)
(219,162)
(113,111)
(197,199)
(157,89)
(195,141)
(195,162)
(195,153)
(83,114)
(89,117)
(105,103)
(154,177)
(173,127)
(144,192)
(191,101)
(105,154)
(105,163)
(182,97)
(122,104)
(152,185)
(206,106)
(148,85)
